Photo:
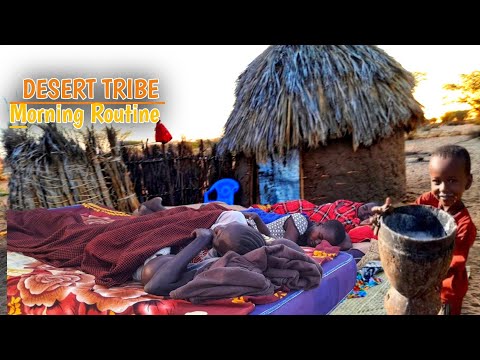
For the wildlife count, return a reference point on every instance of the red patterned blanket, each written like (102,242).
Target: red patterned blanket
(111,249)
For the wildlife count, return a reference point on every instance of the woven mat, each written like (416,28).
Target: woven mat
(372,304)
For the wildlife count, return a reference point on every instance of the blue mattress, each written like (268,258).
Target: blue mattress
(339,276)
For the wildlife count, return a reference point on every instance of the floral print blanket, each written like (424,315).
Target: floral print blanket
(39,289)
(34,287)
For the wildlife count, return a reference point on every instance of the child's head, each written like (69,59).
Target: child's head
(238,238)
(365,211)
(332,230)
(228,217)
(450,175)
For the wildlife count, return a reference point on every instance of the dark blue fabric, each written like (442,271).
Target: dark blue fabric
(267,217)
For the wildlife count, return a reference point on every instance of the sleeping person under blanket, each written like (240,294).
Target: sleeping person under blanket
(174,275)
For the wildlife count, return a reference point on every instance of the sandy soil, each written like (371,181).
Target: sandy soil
(417,156)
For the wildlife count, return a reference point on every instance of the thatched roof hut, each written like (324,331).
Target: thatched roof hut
(340,112)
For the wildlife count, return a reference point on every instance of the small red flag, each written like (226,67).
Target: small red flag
(162,134)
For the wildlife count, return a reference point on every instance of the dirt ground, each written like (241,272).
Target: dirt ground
(417,153)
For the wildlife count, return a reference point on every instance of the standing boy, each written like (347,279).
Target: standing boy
(450,176)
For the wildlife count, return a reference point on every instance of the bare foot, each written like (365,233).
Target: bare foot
(150,206)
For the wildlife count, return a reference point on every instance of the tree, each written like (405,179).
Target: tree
(457,115)
(469,88)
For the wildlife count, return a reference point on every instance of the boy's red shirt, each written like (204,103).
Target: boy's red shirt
(455,285)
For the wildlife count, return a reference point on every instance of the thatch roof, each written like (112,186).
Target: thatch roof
(295,95)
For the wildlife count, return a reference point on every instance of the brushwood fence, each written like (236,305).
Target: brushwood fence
(175,172)
(54,171)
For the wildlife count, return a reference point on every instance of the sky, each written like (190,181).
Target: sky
(197,82)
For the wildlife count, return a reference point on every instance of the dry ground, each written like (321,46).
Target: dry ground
(417,155)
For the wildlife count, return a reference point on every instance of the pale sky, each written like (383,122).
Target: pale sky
(197,82)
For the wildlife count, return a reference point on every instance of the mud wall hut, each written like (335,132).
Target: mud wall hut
(321,122)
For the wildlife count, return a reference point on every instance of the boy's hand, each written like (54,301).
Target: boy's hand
(200,232)
(378,211)
(251,215)
(384,208)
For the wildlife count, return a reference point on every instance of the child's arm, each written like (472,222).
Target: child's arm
(291,231)
(378,211)
(464,240)
(261,226)
(384,208)
(455,284)
(170,272)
